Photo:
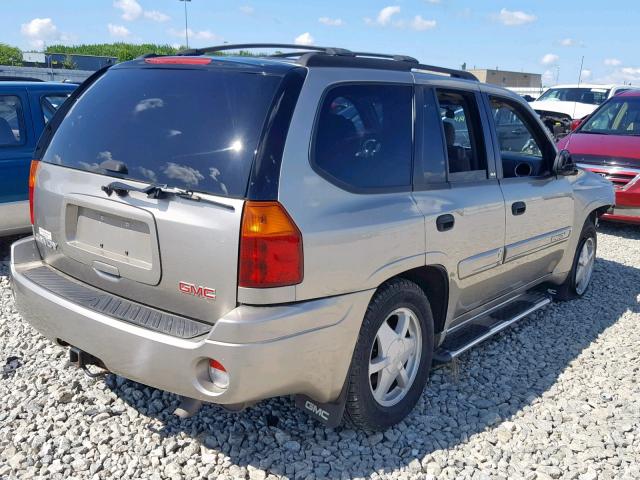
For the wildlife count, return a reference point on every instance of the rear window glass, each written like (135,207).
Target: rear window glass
(591,96)
(51,103)
(11,124)
(193,129)
(364,136)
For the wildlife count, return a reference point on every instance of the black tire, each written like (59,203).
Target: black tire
(362,409)
(567,290)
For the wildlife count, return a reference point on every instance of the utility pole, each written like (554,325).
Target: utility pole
(186,23)
(580,74)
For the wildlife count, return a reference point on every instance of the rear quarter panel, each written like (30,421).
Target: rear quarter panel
(351,241)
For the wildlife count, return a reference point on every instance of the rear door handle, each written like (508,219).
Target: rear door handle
(445,222)
(518,208)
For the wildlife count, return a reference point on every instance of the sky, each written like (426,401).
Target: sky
(539,36)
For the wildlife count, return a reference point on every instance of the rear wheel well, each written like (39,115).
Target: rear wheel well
(433,281)
(597,212)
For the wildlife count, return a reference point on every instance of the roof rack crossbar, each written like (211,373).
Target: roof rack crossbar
(398,58)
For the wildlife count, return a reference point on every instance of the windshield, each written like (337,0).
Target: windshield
(591,96)
(619,116)
(187,128)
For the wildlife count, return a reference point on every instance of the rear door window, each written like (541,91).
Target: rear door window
(364,137)
(50,104)
(460,116)
(11,121)
(188,128)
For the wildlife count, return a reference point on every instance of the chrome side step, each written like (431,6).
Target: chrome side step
(461,340)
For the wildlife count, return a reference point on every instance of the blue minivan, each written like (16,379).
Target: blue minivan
(25,109)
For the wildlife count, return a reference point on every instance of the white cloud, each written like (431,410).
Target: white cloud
(549,59)
(39,31)
(304,39)
(385,15)
(119,31)
(512,18)
(612,62)
(197,35)
(434,2)
(567,42)
(131,9)
(247,10)
(586,74)
(148,104)
(626,75)
(332,22)
(420,24)
(185,173)
(156,16)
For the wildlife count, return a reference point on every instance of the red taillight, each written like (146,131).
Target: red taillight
(178,60)
(33,171)
(270,247)
(575,124)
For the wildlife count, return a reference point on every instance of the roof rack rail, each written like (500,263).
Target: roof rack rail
(249,46)
(311,55)
(446,71)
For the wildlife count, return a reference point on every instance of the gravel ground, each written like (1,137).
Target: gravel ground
(557,396)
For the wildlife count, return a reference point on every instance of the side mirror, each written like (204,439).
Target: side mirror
(564,164)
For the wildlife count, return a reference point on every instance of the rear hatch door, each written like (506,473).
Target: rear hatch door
(191,131)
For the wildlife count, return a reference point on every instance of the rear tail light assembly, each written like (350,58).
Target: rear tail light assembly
(33,172)
(270,247)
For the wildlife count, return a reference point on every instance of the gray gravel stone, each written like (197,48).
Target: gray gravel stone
(554,397)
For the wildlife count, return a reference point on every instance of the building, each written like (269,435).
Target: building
(528,85)
(505,78)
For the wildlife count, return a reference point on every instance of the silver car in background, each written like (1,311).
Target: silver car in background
(320,223)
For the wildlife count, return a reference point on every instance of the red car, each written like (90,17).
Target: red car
(608,143)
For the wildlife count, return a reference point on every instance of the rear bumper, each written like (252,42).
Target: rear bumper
(268,351)
(14,218)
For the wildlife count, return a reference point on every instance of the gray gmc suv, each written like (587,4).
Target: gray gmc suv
(315,222)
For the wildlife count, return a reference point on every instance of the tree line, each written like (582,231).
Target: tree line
(10,55)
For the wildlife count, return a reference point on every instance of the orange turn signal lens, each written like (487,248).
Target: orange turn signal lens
(33,172)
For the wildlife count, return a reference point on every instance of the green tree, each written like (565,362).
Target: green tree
(122,51)
(10,55)
(68,63)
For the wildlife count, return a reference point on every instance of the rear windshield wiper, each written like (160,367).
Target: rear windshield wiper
(159,191)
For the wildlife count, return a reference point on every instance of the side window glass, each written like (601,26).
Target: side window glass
(462,132)
(50,104)
(521,144)
(11,121)
(364,136)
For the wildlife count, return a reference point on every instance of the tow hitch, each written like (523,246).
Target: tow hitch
(83,359)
